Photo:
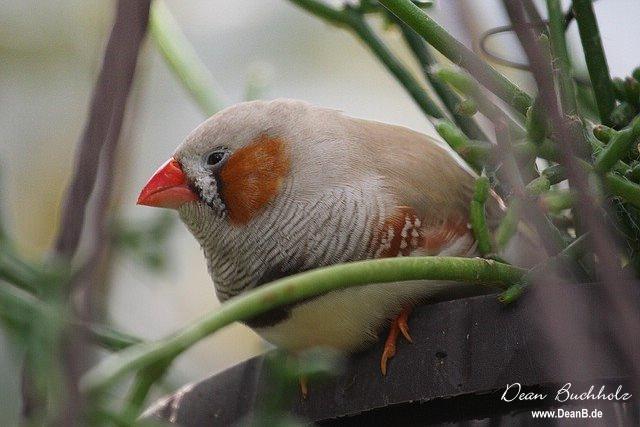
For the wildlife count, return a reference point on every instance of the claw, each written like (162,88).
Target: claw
(303,387)
(399,325)
(402,323)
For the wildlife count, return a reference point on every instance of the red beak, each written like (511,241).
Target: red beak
(167,188)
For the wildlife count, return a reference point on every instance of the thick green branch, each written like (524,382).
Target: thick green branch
(478,218)
(561,56)
(618,146)
(595,58)
(458,53)
(183,59)
(296,288)
(14,270)
(475,153)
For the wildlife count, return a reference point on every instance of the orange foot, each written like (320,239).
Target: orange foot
(303,387)
(399,324)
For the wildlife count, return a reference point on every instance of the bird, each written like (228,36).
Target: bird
(274,188)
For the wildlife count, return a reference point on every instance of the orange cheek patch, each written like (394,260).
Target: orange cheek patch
(252,177)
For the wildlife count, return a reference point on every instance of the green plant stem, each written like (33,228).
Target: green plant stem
(536,123)
(595,58)
(145,379)
(109,338)
(561,57)
(466,85)
(393,64)
(18,305)
(570,253)
(555,174)
(183,59)
(22,306)
(322,10)
(618,147)
(475,153)
(538,186)
(296,288)
(14,270)
(478,218)
(557,200)
(456,52)
(449,98)
(623,188)
(509,224)
(352,19)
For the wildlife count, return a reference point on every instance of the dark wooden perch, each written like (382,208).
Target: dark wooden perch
(464,353)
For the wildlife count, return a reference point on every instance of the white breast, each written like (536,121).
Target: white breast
(350,319)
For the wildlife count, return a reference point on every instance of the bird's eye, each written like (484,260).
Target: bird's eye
(215,157)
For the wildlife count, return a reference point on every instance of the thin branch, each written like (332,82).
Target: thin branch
(183,59)
(478,217)
(595,58)
(353,20)
(107,107)
(322,10)
(393,64)
(561,57)
(449,98)
(458,53)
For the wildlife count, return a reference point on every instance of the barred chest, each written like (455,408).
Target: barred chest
(291,237)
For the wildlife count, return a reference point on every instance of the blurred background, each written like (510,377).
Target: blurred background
(50,54)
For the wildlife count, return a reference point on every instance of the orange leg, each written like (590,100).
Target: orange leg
(304,390)
(399,325)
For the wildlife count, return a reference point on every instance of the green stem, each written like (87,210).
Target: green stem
(509,224)
(557,200)
(14,270)
(536,123)
(393,64)
(296,288)
(183,59)
(621,187)
(22,306)
(561,57)
(618,147)
(322,10)
(466,85)
(18,305)
(449,98)
(109,338)
(478,218)
(458,53)
(555,174)
(476,154)
(145,379)
(352,18)
(595,58)
(538,186)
